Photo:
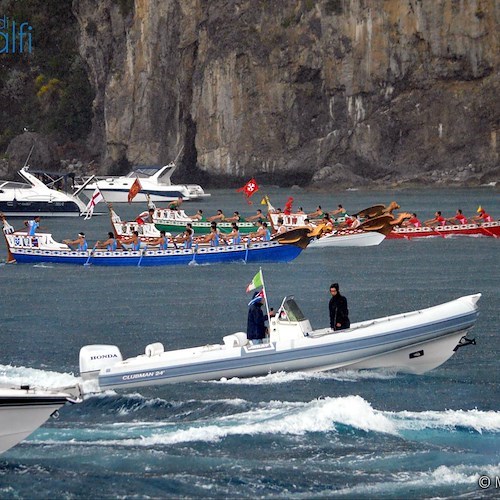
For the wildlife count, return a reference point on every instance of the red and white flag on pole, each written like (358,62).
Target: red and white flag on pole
(134,189)
(249,189)
(94,200)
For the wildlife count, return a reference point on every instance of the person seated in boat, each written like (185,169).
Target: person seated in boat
(308,223)
(32,225)
(328,222)
(234,235)
(257,217)
(262,232)
(317,213)
(256,321)
(413,221)
(198,216)
(340,211)
(80,242)
(110,244)
(438,220)
(459,218)
(161,242)
(236,217)
(146,217)
(350,222)
(355,222)
(213,238)
(339,312)
(300,211)
(280,227)
(176,204)
(218,217)
(186,238)
(134,241)
(482,216)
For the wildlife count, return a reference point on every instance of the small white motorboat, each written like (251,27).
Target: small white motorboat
(24,409)
(156,186)
(413,342)
(34,197)
(348,238)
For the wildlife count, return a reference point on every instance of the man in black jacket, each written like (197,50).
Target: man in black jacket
(256,327)
(339,313)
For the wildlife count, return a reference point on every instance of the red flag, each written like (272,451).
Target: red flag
(249,189)
(134,189)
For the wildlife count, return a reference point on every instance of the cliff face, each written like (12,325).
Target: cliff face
(289,90)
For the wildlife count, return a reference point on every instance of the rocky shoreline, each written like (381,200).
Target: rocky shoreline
(44,156)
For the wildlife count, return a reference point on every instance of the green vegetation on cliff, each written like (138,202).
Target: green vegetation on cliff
(47,90)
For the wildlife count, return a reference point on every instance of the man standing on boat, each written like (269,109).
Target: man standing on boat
(32,225)
(256,326)
(339,313)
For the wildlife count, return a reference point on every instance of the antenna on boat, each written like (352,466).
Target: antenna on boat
(178,154)
(29,155)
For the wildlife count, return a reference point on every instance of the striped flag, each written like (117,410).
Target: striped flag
(256,282)
(94,200)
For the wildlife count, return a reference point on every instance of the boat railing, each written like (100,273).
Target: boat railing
(39,240)
(165,213)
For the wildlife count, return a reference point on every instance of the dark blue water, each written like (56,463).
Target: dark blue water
(344,434)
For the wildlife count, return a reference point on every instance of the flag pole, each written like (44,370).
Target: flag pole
(265,295)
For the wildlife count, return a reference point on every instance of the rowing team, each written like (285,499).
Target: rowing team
(186,239)
(458,218)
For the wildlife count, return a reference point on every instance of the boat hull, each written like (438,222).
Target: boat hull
(353,239)
(414,342)
(112,195)
(491,229)
(21,413)
(41,208)
(258,252)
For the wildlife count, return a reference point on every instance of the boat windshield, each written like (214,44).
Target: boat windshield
(14,185)
(292,310)
(143,172)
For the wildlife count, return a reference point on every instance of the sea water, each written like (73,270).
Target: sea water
(340,434)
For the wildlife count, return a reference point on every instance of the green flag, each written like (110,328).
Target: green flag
(256,282)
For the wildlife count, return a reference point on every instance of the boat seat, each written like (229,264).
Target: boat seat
(154,349)
(238,339)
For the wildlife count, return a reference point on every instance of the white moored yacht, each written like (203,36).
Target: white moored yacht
(156,186)
(34,197)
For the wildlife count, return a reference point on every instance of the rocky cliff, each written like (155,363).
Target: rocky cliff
(297,91)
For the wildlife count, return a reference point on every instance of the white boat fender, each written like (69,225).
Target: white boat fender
(154,349)
(97,356)
(238,339)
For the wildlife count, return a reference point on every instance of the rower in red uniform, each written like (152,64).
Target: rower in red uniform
(459,218)
(413,221)
(438,220)
(483,216)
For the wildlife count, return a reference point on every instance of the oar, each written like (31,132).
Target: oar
(140,258)
(87,263)
(195,248)
(437,232)
(487,232)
